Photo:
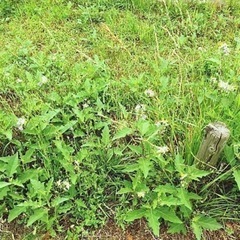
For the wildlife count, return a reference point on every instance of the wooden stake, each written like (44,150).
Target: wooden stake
(216,136)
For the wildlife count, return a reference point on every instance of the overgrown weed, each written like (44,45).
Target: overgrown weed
(103,104)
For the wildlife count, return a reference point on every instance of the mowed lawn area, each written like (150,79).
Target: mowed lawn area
(103,106)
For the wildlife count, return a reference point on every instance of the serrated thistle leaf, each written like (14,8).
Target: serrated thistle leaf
(12,165)
(57,201)
(195,173)
(177,228)
(124,190)
(106,135)
(168,214)
(135,214)
(184,197)
(207,222)
(197,230)
(37,215)
(153,220)
(122,133)
(15,212)
(145,166)
(4,184)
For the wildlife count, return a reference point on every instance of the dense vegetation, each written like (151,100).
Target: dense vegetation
(102,110)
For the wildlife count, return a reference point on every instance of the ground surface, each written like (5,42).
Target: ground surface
(136,231)
(102,110)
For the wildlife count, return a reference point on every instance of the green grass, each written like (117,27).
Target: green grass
(75,71)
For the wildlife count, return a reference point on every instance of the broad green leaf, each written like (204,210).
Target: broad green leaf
(197,230)
(135,214)
(15,212)
(179,163)
(8,134)
(184,198)
(12,165)
(37,215)
(194,196)
(106,135)
(207,222)
(4,184)
(167,188)
(143,127)
(27,175)
(27,158)
(3,166)
(131,168)
(169,201)
(50,115)
(153,220)
(145,166)
(4,192)
(141,187)
(59,200)
(177,228)
(168,215)
(236,174)
(124,190)
(123,133)
(63,148)
(38,186)
(81,203)
(16,182)
(195,173)
(49,186)
(64,128)
(136,149)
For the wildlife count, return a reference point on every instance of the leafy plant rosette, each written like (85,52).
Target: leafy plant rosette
(161,186)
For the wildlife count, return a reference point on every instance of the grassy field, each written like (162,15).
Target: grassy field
(102,109)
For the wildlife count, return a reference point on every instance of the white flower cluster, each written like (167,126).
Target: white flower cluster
(43,81)
(225,86)
(149,93)
(222,85)
(64,185)
(140,111)
(162,149)
(225,49)
(20,122)
(141,194)
(19,80)
(161,123)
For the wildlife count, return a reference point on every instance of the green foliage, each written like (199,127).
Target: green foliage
(102,105)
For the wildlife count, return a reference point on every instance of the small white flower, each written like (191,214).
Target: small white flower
(85,105)
(44,80)
(18,80)
(163,149)
(225,86)
(213,80)
(149,93)
(143,116)
(225,49)
(140,108)
(76,163)
(141,194)
(59,183)
(20,123)
(162,123)
(66,185)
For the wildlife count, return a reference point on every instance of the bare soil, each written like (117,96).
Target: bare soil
(137,231)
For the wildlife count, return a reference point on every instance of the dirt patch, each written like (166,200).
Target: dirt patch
(140,231)
(137,231)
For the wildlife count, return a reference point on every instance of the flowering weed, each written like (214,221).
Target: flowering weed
(102,105)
